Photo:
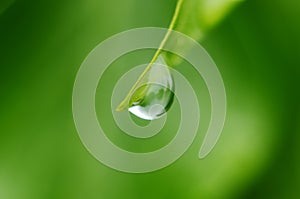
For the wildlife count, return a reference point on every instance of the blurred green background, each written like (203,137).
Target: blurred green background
(43,43)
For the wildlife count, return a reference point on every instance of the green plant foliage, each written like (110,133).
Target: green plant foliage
(42,45)
(193,18)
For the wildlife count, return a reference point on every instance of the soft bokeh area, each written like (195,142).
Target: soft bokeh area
(42,45)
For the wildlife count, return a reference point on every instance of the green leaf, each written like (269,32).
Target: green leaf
(196,18)
(193,18)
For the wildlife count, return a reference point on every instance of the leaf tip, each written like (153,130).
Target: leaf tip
(121,106)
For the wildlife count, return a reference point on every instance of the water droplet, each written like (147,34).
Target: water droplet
(155,95)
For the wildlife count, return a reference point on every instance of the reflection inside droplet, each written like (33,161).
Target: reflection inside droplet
(155,96)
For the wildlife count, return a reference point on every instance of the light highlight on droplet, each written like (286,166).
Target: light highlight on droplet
(155,96)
